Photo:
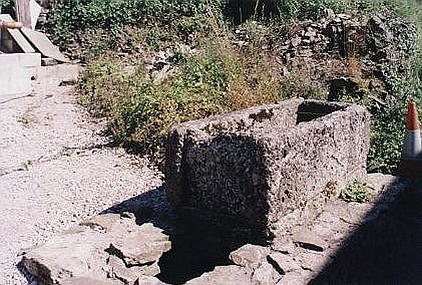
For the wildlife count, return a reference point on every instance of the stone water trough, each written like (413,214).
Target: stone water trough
(254,166)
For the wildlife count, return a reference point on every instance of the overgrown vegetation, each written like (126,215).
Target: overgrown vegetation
(6,7)
(203,72)
(357,191)
(142,108)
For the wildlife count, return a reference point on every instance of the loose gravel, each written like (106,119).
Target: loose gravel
(56,168)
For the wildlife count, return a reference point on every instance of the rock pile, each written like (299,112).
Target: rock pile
(357,56)
(377,38)
(107,249)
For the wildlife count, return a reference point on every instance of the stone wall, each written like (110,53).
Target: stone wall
(254,166)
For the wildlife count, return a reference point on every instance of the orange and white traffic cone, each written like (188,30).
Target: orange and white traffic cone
(411,161)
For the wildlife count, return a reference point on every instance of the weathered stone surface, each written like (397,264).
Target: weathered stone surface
(88,252)
(65,256)
(250,256)
(266,274)
(101,222)
(307,239)
(148,280)
(88,281)
(232,274)
(259,164)
(119,270)
(295,278)
(144,245)
(311,261)
(285,262)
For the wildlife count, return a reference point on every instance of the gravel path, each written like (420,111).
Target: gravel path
(55,169)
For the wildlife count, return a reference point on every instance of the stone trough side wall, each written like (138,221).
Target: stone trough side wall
(253,166)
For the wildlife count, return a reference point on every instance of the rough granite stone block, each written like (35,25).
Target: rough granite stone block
(253,166)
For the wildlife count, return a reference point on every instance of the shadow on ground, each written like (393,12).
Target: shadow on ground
(386,249)
(195,248)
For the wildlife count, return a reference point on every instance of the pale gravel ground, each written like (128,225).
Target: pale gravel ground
(54,170)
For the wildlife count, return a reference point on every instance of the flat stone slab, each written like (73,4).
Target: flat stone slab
(249,255)
(108,248)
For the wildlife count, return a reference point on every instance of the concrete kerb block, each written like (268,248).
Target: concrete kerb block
(29,61)
(17,70)
(254,166)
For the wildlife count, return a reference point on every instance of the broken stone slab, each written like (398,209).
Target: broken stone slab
(86,252)
(117,269)
(266,274)
(254,166)
(250,256)
(232,274)
(65,256)
(144,245)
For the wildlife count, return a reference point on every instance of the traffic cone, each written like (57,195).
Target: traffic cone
(411,162)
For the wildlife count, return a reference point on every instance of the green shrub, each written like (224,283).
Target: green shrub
(69,16)
(142,109)
(358,192)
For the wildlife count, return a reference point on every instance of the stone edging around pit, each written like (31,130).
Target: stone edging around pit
(113,249)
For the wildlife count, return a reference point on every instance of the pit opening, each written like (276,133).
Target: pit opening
(311,110)
(196,246)
(199,248)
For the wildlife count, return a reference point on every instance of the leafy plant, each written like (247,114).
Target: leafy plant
(69,16)
(358,192)
(7,6)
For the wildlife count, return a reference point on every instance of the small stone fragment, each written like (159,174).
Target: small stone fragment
(144,245)
(250,256)
(266,274)
(296,41)
(118,269)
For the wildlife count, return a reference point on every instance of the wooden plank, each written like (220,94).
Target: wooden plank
(17,35)
(23,12)
(43,44)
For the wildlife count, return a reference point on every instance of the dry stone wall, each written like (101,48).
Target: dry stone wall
(254,166)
